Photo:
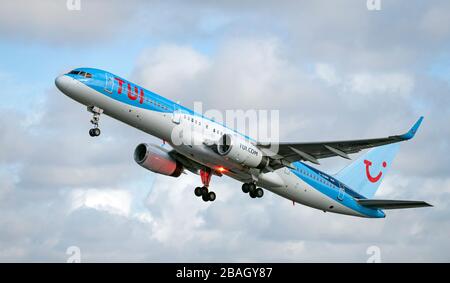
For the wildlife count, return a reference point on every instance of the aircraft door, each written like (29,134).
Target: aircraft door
(109,83)
(176,114)
(341,192)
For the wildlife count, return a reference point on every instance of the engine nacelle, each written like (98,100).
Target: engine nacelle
(156,159)
(241,151)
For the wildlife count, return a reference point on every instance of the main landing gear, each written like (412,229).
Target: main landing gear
(204,192)
(95,131)
(252,190)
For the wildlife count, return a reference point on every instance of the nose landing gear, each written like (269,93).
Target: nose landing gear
(204,192)
(95,131)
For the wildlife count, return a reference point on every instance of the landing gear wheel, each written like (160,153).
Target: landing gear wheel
(245,188)
(205,197)
(198,192)
(252,194)
(212,196)
(259,193)
(204,191)
(95,132)
(251,187)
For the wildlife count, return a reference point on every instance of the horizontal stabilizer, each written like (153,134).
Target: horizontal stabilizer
(391,204)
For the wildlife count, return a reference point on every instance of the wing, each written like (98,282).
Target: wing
(291,152)
(391,204)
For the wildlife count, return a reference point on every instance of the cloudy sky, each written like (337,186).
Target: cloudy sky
(334,70)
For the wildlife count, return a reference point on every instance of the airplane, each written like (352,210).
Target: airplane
(220,150)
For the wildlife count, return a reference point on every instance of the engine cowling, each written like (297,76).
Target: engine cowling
(241,151)
(156,159)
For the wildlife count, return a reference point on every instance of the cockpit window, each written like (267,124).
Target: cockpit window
(81,73)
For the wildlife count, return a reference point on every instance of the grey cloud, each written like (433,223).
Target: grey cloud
(50,21)
(232,229)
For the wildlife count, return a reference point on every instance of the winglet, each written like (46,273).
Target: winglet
(410,134)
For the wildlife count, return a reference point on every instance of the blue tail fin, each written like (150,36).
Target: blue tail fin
(366,173)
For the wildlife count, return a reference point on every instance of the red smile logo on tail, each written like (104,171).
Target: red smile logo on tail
(369,176)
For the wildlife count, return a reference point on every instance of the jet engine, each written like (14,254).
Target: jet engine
(157,159)
(241,151)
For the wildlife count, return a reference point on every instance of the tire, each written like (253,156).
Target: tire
(198,192)
(252,187)
(205,197)
(259,193)
(91,133)
(245,188)
(252,194)
(204,191)
(97,132)
(212,196)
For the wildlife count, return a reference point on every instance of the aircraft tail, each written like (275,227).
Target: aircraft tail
(366,173)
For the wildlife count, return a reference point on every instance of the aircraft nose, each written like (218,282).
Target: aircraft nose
(63,83)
